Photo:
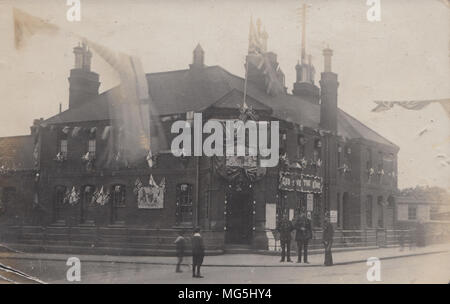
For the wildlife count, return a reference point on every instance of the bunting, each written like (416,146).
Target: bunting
(383,106)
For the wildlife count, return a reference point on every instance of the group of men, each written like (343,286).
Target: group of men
(303,233)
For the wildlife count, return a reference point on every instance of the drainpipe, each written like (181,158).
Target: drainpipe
(197,190)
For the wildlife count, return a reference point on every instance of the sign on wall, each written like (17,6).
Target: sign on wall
(290,181)
(271,216)
(151,196)
(333,216)
(309,202)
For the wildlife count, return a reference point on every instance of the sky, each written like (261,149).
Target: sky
(404,56)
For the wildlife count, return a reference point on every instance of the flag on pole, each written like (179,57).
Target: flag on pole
(260,58)
(130,111)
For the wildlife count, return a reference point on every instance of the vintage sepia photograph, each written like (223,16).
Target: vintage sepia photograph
(206,142)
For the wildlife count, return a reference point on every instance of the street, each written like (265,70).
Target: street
(429,268)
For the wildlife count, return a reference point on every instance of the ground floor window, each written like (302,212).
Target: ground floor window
(380,212)
(184,204)
(118,200)
(412,213)
(58,202)
(86,201)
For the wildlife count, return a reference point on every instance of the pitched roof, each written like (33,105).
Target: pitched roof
(16,152)
(186,90)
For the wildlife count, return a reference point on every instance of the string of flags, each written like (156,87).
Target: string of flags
(99,196)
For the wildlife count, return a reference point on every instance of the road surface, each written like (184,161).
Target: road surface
(430,268)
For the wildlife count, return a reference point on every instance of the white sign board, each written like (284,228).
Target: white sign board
(291,214)
(333,216)
(309,202)
(271,216)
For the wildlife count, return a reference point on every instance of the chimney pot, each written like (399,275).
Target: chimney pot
(199,57)
(327,54)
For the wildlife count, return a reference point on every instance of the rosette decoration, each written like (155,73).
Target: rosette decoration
(251,172)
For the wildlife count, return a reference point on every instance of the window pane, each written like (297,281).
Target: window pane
(184,203)
(63,146)
(92,146)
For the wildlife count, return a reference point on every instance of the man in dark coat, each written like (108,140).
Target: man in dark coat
(180,245)
(198,253)
(327,239)
(303,233)
(285,228)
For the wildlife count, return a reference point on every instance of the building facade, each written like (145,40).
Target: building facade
(329,161)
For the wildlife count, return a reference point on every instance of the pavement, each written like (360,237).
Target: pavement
(238,260)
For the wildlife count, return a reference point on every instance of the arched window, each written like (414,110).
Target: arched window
(184,204)
(301,144)
(87,193)
(118,195)
(118,200)
(7,197)
(58,202)
(317,153)
(63,144)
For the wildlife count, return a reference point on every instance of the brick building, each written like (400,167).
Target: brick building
(330,161)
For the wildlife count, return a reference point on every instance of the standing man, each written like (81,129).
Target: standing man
(327,238)
(198,253)
(180,244)
(285,228)
(303,233)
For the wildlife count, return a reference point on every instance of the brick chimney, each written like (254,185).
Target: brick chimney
(83,83)
(329,86)
(304,85)
(198,60)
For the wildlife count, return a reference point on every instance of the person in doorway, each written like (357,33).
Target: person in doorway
(327,239)
(198,253)
(303,233)
(285,228)
(180,244)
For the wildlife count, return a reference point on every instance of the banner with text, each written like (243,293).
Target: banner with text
(291,181)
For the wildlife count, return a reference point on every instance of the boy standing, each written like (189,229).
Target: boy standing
(198,253)
(180,244)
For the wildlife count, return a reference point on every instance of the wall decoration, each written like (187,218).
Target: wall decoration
(72,196)
(100,197)
(151,196)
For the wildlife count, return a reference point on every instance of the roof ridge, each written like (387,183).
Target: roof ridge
(180,70)
(368,128)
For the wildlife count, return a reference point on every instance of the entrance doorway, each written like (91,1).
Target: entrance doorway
(239,217)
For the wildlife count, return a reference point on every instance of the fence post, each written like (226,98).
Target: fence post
(385,237)
(376,237)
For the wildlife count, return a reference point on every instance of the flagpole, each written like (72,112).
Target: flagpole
(245,83)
